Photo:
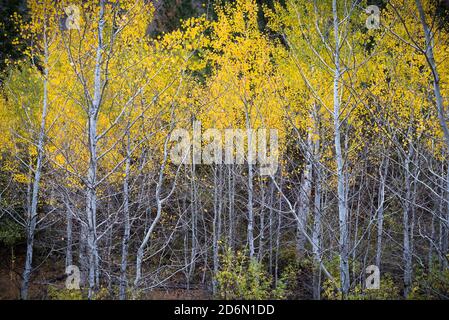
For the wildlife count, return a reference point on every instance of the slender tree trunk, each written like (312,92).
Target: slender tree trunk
(407,251)
(445,228)
(342,192)
(250,207)
(270,227)
(69,237)
(32,211)
(231,191)
(440,109)
(432,239)
(91,198)
(193,222)
(126,221)
(141,250)
(304,197)
(278,233)
(83,254)
(316,236)
(159,202)
(216,224)
(260,251)
(316,232)
(380,209)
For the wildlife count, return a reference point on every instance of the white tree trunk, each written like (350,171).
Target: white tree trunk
(440,108)
(316,237)
(304,196)
(250,208)
(316,231)
(32,210)
(341,181)
(407,251)
(69,236)
(126,222)
(216,224)
(383,170)
(91,192)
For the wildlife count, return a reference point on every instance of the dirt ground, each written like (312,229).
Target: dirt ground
(49,273)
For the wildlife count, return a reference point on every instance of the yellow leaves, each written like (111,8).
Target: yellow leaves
(21,178)
(132,20)
(242,89)
(233,76)
(7,121)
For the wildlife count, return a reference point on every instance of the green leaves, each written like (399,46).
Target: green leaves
(241,278)
(11,233)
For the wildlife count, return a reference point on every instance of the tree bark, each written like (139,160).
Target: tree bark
(380,209)
(407,251)
(440,110)
(32,210)
(126,222)
(305,190)
(341,181)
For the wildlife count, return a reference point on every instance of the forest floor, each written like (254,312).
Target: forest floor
(49,273)
(11,272)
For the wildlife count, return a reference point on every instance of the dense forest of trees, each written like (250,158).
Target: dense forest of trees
(348,99)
